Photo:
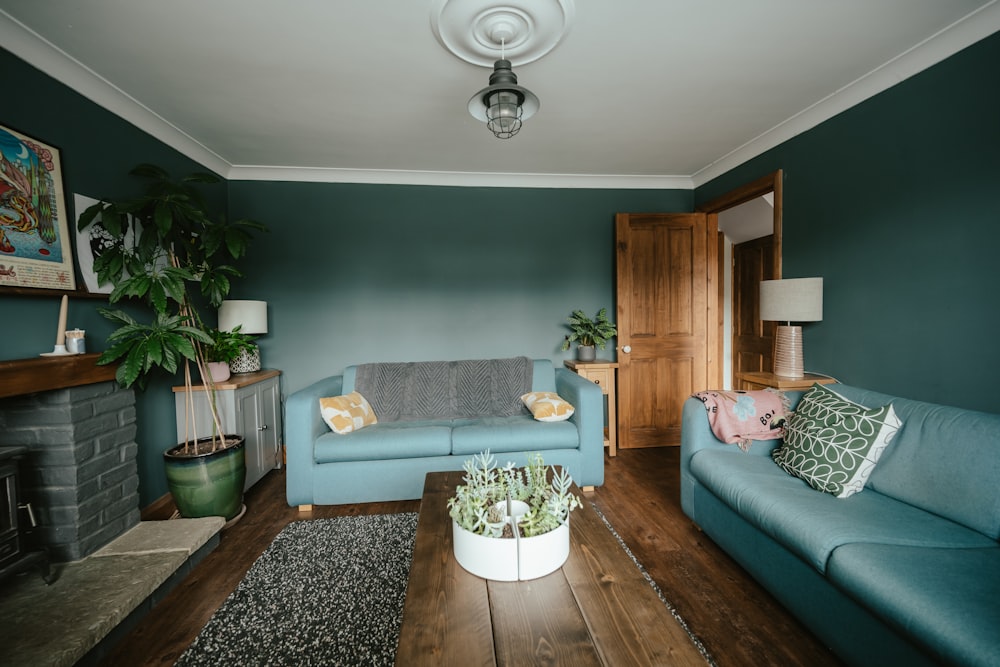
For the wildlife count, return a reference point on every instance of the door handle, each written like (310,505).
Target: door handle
(626,349)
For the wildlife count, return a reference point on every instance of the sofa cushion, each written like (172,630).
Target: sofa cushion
(547,406)
(946,599)
(834,444)
(945,460)
(812,524)
(395,440)
(445,389)
(511,434)
(350,412)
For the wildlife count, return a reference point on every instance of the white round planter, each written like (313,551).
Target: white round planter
(506,559)
(538,556)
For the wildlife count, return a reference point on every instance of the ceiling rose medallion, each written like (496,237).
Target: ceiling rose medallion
(485,32)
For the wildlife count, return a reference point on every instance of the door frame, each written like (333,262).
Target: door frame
(770,183)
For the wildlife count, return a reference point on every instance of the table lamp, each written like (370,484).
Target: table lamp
(790,300)
(251,317)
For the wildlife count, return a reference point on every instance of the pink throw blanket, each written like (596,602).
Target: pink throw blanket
(738,417)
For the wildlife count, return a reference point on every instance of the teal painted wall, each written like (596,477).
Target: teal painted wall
(896,204)
(893,202)
(359,273)
(97,150)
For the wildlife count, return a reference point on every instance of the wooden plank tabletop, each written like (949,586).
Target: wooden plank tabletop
(598,609)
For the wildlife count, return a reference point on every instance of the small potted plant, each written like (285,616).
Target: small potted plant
(588,333)
(226,347)
(512,523)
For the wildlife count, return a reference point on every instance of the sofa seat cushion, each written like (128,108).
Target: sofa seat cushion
(947,599)
(812,524)
(394,440)
(520,433)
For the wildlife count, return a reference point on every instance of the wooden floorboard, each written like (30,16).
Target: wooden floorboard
(737,620)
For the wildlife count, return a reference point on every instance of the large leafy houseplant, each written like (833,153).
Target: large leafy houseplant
(167,255)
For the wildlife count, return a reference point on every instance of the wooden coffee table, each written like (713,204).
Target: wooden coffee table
(597,609)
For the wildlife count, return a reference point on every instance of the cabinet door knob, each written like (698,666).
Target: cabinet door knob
(262,428)
(626,349)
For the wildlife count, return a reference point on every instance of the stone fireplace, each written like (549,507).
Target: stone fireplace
(80,474)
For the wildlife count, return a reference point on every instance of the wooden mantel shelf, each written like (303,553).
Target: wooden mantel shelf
(29,376)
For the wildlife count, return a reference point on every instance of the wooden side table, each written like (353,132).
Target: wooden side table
(763,380)
(602,373)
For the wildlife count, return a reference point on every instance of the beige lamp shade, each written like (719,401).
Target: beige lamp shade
(791,300)
(251,316)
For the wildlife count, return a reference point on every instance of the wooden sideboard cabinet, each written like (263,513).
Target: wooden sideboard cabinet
(249,405)
(762,380)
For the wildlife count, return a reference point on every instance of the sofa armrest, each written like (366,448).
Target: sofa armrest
(303,424)
(588,401)
(696,435)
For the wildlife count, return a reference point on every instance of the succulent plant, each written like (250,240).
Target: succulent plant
(486,485)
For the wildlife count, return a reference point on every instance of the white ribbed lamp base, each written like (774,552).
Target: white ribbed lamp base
(788,351)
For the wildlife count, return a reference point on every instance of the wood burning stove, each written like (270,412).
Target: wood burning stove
(16,520)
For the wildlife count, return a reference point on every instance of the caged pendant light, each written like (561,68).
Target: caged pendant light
(520,31)
(506,103)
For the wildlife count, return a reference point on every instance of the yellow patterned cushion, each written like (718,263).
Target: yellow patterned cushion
(347,413)
(547,406)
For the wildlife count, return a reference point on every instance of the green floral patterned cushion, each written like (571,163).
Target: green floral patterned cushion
(834,444)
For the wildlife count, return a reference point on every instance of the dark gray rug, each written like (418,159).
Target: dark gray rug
(329,592)
(325,592)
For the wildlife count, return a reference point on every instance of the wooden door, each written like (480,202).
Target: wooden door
(667,333)
(753,340)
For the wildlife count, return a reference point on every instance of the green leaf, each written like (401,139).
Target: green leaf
(201,177)
(163,218)
(170,360)
(87,217)
(147,170)
(158,296)
(119,316)
(154,352)
(129,369)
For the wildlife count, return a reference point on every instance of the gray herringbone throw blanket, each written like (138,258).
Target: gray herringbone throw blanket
(445,389)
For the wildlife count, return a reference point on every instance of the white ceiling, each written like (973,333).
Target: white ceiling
(639,93)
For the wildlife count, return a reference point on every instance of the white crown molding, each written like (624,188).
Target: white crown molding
(965,32)
(47,57)
(458,178)
(34,49)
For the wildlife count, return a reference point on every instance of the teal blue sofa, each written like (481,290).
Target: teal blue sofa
(389,460)
(906,572)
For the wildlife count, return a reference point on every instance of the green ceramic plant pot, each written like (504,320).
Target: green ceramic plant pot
(210,483)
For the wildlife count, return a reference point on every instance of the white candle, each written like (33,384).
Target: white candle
(61,332)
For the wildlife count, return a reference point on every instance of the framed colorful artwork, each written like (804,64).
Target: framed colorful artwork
(35,247)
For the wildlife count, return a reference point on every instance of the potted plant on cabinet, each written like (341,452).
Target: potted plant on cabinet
(511,523)
(162,245)
(589,333)
(226,347)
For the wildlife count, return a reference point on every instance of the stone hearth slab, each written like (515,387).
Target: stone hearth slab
(152,536)
(60,624)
